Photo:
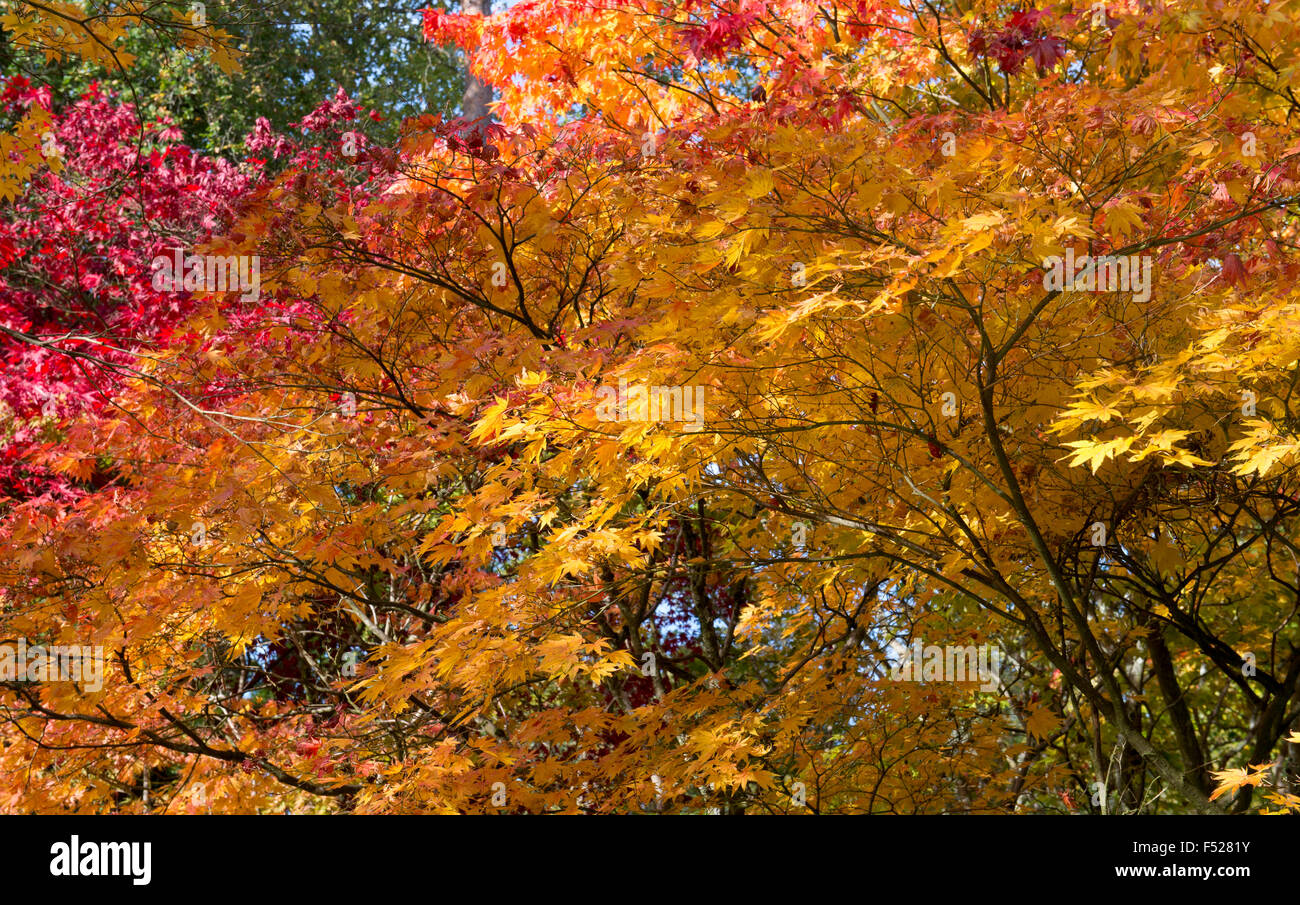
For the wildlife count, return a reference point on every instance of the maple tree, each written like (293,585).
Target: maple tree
(77,301)
(94,194)
(96,34)
(376,543)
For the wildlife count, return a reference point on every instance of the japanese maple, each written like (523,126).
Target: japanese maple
(422,553)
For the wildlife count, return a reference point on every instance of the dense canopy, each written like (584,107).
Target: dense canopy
(626,453)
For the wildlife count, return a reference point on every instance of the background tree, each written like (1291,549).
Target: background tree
(292,56)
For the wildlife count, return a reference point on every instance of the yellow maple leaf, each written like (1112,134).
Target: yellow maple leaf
(1041,723)
(1234,778)
(1097,452)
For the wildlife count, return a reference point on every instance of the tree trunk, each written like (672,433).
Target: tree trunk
(474,103)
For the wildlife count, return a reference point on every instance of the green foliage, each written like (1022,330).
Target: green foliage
(294,56)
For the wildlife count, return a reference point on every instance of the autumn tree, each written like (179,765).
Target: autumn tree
(966,327)
(77,301)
